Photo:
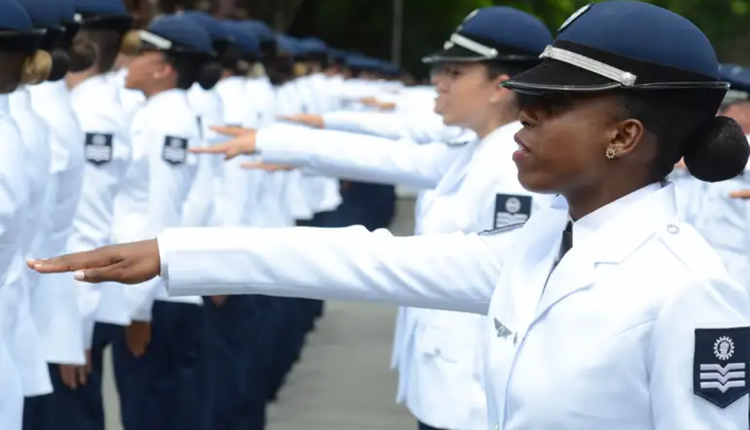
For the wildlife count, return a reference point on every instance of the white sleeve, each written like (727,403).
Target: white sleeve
(419,128)
(450,271)
(169,180)
(685,353)
(357,157)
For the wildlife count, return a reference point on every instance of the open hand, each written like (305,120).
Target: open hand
(128,263)
(138,337)
(242,142)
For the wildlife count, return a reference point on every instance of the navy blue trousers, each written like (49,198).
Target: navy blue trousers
(79,409)
(235,388)
(163,389)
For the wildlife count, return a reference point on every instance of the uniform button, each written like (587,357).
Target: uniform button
(673,229)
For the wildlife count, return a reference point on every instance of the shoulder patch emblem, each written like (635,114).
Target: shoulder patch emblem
(511,209)
(98,148)
(175,150)
(720,361)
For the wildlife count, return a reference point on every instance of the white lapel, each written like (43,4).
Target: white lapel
(611,245)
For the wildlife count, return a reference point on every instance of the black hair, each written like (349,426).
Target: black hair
(58,42)
(193,69)
(95,47)
(714,147)
(279,69)
(497,68)
(235,61)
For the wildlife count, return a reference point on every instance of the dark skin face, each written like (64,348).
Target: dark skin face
(564,141)
(10,75)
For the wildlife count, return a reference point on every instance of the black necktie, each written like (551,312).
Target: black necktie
(567,239)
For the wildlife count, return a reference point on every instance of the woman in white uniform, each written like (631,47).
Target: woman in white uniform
(604,310)
(103,24)
(27,348)
(22,64)
(162,364)
(435,352)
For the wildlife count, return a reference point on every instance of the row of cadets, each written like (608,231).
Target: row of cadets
(608,267)
(438,359)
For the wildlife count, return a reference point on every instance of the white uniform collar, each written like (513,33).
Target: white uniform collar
(20,99)
(49,89)
(587,227)
(166,96)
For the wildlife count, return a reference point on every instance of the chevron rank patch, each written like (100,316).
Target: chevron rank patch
(511,209)
(720,364)
(98,148)
(175,150)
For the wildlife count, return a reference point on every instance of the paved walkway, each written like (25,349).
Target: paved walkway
(343,381)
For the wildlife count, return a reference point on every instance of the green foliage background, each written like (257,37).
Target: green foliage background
(365,25)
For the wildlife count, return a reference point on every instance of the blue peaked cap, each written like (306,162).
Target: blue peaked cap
(260,29)
(177,33)
(644,32)
(495,33)
(289,45)
(312,45)
(243,38)
(737,76)
(211,25)
(100,7)
(42,13)
(624,44)
(65,10)
(13,17)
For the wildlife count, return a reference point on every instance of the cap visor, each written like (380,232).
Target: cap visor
(553,75)
(453,54)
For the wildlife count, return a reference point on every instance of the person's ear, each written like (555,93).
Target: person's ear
(624,139)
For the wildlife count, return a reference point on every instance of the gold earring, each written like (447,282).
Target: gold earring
(611,153)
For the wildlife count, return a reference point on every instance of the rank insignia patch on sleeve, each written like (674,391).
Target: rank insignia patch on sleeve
(511,209)
(175,150)
(98,148)
(720,364)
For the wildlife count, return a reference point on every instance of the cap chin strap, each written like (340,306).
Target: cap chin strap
(155,40)
(627,79)
(464,42)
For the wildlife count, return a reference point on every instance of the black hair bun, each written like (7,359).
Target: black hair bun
(209,75)
(60,64)
(718,151)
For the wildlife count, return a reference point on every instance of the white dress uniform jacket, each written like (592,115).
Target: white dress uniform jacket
(440,380)
(638,327)
(53,302)
(240,188)
(26,347)
(13,198)
(724,222)
(107,153)
(199,207)
(158,180)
